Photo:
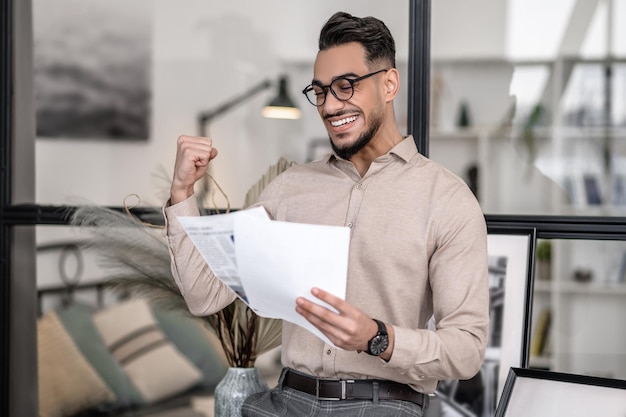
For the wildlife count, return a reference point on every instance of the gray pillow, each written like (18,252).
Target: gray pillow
(77,320)
(193,341)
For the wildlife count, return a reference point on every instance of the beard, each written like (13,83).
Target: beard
(350,150)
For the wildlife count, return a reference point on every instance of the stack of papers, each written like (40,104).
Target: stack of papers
(269,263)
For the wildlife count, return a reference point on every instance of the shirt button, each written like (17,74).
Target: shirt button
(349,225)
(359,186)
(328,352)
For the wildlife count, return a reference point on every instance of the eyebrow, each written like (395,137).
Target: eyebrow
(344,75)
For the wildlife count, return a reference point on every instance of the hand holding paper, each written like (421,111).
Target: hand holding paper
(271,263)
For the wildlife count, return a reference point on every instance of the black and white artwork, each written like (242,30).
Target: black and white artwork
(510,282)
(92,66)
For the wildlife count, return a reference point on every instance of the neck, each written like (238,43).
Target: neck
(380,144)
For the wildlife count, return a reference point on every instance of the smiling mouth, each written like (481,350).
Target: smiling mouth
(344,121)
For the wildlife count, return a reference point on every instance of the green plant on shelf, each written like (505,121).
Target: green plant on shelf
(544,250)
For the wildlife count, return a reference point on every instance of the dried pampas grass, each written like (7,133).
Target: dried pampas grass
(136,255)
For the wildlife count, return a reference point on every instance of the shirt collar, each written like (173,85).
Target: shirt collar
(405,149)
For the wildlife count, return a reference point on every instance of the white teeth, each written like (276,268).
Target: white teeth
(342,122)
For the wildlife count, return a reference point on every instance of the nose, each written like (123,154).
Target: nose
(331,104)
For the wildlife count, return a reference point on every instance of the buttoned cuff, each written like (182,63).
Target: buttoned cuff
(188,207)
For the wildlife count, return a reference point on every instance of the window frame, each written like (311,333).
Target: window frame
(12,215)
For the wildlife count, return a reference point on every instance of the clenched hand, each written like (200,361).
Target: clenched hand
(193,154)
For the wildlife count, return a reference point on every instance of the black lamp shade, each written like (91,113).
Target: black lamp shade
(282,107)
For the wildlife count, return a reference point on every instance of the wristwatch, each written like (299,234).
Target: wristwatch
(380,342)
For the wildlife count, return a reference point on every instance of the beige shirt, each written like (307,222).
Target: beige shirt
(418,247)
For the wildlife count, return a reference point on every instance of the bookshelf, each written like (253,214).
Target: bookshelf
(566,174)
(584,333)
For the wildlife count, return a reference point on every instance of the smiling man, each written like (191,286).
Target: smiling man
(417,247)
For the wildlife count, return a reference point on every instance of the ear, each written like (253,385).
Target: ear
(391,84)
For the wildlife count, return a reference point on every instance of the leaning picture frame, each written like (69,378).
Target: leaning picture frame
(511,254)
(540,393)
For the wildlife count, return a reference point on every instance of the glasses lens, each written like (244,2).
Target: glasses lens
(342,88)
(315,94)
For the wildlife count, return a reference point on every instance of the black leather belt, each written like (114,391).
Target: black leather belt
(353,389)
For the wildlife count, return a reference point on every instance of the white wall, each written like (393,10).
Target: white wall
(468,29)
(207,52)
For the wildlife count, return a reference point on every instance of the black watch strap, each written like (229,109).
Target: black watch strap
(382,329)
(379,343)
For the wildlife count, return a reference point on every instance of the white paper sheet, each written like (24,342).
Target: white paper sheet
(270,263)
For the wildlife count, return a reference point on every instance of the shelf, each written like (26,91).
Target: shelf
(569,132)
(542,286)
(470,133)
(580,288)
(596,288)
(541,362)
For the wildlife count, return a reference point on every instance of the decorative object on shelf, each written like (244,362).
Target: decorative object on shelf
(583,275)
(541,333)
(472,173)
(528,137)
(621,274)
(592,189)
(237,385)
(544,260)
(437,87)
(464,120)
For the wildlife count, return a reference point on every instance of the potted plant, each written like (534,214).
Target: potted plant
(544,259)
(136,254)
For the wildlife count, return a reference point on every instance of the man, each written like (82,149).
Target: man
(417,247)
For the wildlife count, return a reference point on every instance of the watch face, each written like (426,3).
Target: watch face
(379,344)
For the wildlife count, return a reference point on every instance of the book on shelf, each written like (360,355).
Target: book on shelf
(592,190)
(622,270)
(541,333)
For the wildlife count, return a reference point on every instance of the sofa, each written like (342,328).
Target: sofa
(126,359)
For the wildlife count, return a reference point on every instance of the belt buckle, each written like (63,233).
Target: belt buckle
(343,383)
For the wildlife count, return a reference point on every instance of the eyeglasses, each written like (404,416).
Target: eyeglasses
(342,88)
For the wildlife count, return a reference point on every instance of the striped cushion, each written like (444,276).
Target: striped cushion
(67,382)
(154,365)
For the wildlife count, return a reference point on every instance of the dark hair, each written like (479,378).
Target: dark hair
(372,33)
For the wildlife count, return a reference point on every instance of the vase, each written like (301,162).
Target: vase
(237,385)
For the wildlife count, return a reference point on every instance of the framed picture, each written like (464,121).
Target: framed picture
(92,69)
(539,393)
(511,253)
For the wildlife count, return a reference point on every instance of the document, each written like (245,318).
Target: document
(270,263)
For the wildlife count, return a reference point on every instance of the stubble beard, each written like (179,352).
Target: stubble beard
(350,150)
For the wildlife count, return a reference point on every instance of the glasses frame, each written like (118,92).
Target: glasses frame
(326,88)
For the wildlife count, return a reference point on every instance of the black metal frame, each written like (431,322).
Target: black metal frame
(515,373)
(419,73)
(448,397)
(531,232)
(6,76)
(566,227)
(418,116)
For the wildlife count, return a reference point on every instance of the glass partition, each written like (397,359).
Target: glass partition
(529,107)
(116,84)
(578,305)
